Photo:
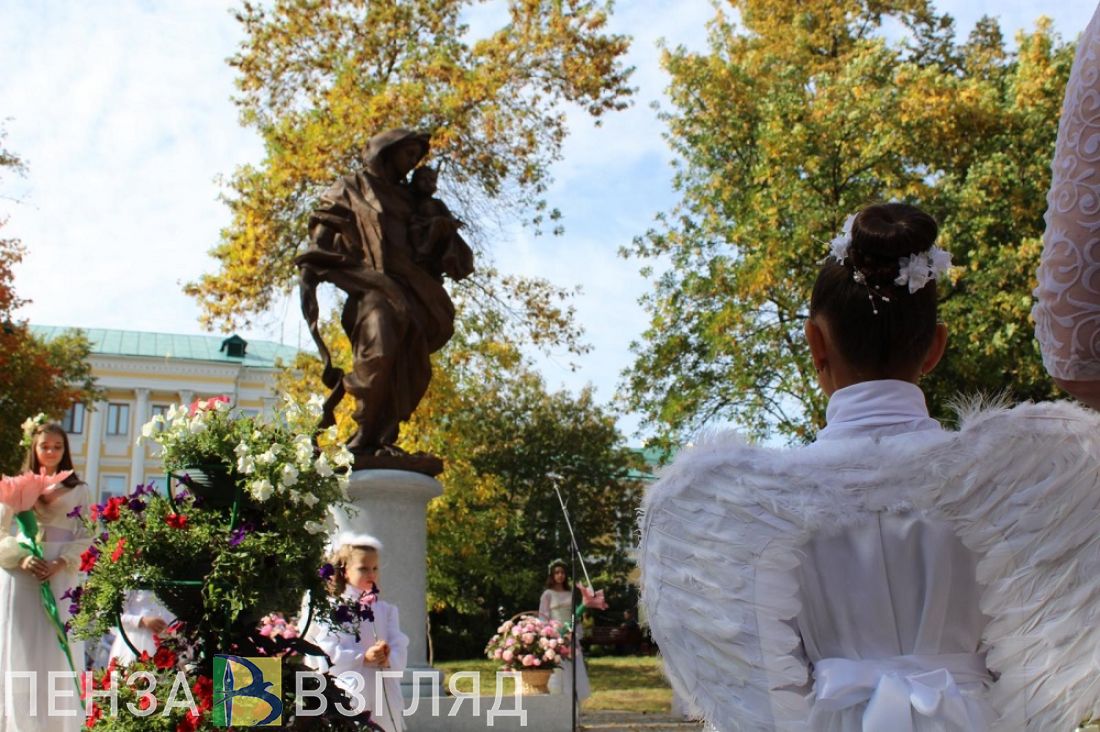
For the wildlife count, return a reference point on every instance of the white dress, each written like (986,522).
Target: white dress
(28,640)
(891,576)
(346,655)
(139,604)
(1067,308)
(558,605)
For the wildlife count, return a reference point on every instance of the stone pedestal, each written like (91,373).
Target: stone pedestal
(391,505)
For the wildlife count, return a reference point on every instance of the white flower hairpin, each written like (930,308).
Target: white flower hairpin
(841,244)
(914,271)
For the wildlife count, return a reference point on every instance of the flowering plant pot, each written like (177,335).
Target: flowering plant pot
(212,482)
(529,642)
(535,680)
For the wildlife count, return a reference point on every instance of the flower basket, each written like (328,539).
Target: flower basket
(526,642)
(535,681)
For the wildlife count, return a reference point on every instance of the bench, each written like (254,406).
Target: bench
(614,636)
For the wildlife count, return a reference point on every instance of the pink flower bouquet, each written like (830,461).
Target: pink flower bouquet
(529,642)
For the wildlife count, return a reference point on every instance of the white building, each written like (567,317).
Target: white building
(142,374)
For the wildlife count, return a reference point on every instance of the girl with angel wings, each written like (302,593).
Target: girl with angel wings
(892,575)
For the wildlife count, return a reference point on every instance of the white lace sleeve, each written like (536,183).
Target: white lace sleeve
(1067,309)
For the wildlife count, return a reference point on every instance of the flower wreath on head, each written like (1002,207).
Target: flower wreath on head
(914,271)
(556,563)
(30,425)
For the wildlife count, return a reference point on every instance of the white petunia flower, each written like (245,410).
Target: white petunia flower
(289,475)
(322,467)
(246,464)
(261,489)
(314,528)
(268,457)
(241,449)
(196,426)
(310,500)
(295,496)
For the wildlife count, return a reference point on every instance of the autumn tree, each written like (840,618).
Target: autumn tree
(797,115)
(35,376)
(498,523)
(318,78)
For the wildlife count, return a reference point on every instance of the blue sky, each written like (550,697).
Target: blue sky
(121,110)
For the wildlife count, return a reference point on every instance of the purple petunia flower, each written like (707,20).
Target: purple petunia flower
(342,614)
(75,513)
(103,537)
(136,505)
(74,594)
(238,534)
(325,571)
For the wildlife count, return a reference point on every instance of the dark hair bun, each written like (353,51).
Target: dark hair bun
(883,233)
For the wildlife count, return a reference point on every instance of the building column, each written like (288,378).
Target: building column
(186,397)
(94,446)
(137,454)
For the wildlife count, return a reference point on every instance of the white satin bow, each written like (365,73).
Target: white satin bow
(926,684)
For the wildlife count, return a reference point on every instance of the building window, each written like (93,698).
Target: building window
(157,482)
(73,422)
(118,419)
(111,485)
(162,410)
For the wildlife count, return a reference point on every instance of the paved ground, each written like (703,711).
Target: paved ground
(626,722)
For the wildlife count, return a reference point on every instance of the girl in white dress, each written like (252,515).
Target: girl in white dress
(381,644)
(143,618)
(28,637)
(893,575)
(556,603)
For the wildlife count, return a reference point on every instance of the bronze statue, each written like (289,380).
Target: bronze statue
(387,243)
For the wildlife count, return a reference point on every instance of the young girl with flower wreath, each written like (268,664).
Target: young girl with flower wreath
(29,635)
(355,659)
(556,603)
(892,575)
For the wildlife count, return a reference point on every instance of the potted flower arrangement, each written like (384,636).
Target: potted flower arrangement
(246,541)
(532,646)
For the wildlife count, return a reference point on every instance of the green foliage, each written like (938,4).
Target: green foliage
(239,547)
(318,78)
(35,376)
(792,121)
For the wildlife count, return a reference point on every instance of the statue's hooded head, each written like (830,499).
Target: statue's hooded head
(393,153)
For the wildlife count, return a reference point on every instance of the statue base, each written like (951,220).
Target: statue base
(421,463)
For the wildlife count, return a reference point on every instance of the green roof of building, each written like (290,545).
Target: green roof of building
(108,342)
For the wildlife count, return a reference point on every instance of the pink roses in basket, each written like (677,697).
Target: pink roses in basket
(529,642)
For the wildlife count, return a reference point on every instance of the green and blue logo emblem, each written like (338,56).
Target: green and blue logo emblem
(248,691)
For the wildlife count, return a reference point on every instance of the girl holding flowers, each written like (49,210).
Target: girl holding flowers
(31,641)
(379,645)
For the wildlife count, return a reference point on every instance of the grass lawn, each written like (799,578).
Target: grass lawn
(620,683)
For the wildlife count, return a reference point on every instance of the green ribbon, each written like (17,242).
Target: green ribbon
(28,531)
